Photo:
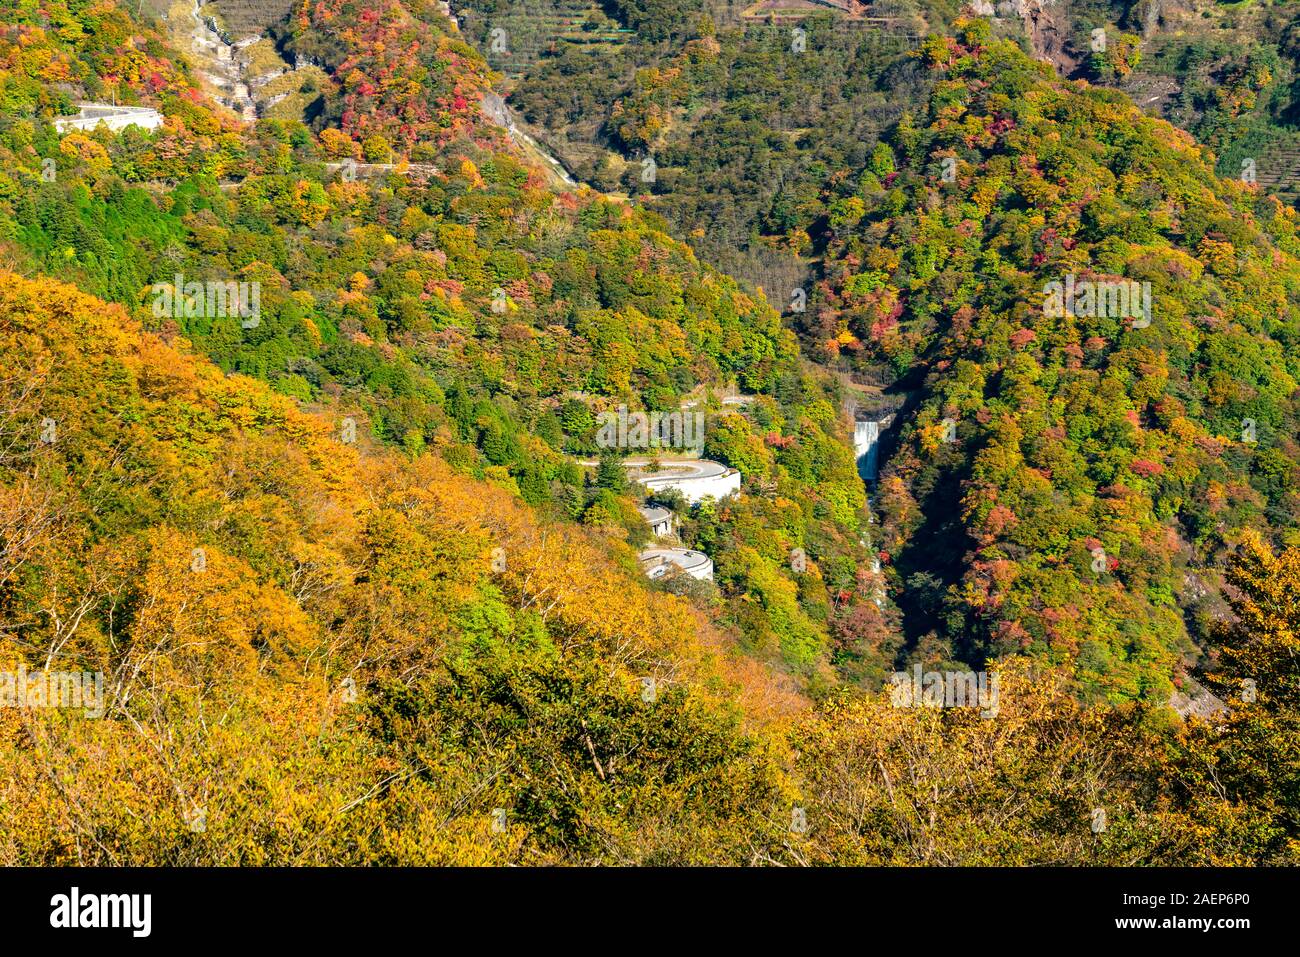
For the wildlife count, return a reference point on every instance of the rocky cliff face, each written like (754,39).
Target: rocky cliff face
(231,44)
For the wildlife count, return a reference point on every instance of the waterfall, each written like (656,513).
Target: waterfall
(866,436)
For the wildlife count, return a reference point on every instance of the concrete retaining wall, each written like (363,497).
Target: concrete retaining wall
(116,118)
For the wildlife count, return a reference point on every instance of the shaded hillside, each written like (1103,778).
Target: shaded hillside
(747,123)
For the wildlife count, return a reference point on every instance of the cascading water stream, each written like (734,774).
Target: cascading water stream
(866,439)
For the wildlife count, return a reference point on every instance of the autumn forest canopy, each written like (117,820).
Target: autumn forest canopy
(973,341)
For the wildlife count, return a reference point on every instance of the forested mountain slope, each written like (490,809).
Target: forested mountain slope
(1092,535)
(324,652)
(746,121)
(316,652)
(751,114)
(357,599)
(1062,486)
(1068,479)
(461,305)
